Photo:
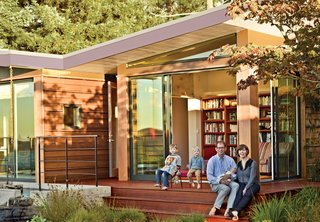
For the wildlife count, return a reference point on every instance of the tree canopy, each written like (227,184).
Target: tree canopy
(298,58)
(63,26)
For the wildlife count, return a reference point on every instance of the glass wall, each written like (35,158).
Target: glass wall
(286,140)
(17,131)
(5,127)
(148,127)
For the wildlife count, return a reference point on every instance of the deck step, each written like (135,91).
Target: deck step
(157,193)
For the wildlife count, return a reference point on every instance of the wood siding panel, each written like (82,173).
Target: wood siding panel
(91,96)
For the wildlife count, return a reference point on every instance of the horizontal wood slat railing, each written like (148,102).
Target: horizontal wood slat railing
(62,166)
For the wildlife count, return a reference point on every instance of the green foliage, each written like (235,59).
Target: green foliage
(63,26)
(273,209)
(59,206)
(299,23)
(305,206)
(37,218)
(193,218)
(129,215)
(99,214)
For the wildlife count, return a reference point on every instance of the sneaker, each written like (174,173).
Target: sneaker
(157,185)
(164,188)
(198,186)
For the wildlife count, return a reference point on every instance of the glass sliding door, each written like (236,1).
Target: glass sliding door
(149,125)
(286,140)
(17,129)
(5,128)
(24,129)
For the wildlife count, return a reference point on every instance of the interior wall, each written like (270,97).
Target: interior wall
(194,121)
(214,83)
(180,128)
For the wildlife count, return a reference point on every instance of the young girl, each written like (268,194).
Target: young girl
(196,166)
(171,165)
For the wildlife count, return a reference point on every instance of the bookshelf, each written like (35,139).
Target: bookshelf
(265,134)
(265,118)
(219,122)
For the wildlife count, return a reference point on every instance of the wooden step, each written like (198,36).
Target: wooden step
(170,203)
(143,204)
(157,193)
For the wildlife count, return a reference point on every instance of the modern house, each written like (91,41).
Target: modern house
(138,94)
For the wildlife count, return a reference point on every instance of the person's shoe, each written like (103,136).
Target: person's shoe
(198,186)
(192,185)
(227,213)
(212,211)
(235,216)
(164,188)
(157,185)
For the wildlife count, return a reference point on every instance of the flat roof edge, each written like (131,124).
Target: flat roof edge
(30,59)
(148,36)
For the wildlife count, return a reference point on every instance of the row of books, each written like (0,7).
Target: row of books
(215,115)
(212,139)
(214,127)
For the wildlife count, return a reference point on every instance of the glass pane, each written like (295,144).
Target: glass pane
(286,142)
(5,128)
(24,129)
(147,126)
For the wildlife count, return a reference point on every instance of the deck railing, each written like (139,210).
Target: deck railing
(48,144)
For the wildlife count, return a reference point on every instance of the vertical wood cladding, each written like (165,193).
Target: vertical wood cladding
(91,96)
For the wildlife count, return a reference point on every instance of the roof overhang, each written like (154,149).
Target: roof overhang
(105,57)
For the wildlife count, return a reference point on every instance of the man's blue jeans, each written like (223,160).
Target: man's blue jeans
(223,191)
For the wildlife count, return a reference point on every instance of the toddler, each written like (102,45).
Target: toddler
(196,166)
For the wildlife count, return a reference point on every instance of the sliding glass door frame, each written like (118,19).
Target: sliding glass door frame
(150,99)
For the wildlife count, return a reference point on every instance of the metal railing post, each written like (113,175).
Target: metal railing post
(67,165)
(39,161)
(96,158)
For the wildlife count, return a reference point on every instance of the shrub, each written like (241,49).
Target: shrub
(59,206)
(304,206)
(37,218)
(193,218)
(97,214)
(273,209)
(129,215)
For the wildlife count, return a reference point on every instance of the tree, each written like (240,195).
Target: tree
(298,58)
(63,26)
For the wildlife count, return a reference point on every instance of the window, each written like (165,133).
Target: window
(72,116)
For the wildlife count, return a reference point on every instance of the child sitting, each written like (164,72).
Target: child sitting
(171,165)
(196,166)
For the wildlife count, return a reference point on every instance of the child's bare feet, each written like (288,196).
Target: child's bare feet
(198,186)
(192,185)
(212,211)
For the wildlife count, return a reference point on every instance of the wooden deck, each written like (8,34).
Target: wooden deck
(181,201)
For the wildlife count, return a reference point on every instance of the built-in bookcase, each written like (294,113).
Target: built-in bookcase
(265,134)
(219,122)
